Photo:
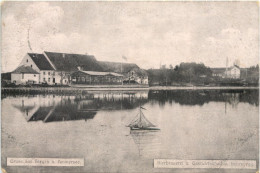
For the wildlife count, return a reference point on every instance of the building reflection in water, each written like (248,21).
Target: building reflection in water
(50,108)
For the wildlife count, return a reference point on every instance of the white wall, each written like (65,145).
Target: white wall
(18,79)
(49,75)
(29,63)
(234,72)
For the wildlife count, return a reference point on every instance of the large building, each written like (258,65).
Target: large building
(63,68)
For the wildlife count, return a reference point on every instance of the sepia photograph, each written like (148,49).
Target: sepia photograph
(129,86)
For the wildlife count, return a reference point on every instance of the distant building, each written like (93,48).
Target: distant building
(63,68)
(131,72)
(231,72)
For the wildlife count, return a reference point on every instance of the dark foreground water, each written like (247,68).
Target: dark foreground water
(194,125)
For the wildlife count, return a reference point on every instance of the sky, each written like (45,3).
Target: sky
(146,33)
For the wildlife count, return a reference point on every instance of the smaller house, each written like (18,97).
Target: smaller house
(131,72)
(136,75)
(25,75)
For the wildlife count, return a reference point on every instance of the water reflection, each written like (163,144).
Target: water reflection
(49,108)
(195,97)
(147,142)
(204,124)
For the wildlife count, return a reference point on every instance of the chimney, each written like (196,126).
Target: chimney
(63,55)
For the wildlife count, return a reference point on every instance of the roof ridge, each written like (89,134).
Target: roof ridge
(118,62)
(69,53)
(28,68)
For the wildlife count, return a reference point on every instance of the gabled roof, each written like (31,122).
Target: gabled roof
(70,62)
(41,113)
(41,61)
(116,66)
(140,72)
(25,69)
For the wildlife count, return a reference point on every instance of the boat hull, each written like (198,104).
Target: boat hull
(144,128)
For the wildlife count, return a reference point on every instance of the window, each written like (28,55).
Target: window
(49,73)
(27,60)
(49,79)
(22,76)
(44,73)
(54,73)
(43,79)
(35,75)
(31,65)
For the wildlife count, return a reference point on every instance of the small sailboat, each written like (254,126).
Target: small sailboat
(141,123)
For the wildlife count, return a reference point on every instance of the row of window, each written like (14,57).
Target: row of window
(53,80)
(49,79)
(49,73)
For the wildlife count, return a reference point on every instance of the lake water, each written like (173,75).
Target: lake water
(204,124)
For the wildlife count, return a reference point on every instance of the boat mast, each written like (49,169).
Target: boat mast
(140,114)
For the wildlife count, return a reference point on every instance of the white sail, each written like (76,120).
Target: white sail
(141,122)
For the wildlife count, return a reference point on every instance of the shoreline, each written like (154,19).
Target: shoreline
(202,88)
(118,88)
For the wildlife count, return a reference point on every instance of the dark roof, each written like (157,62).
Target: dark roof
(70,62)
(116,66)
(41,61)
(41,113)
(222,70)
(218,70)
(97,73)
(25,69)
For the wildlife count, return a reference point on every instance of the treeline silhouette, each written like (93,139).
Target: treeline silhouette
(199,74)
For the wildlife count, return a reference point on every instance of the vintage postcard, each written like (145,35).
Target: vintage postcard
(129,86)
